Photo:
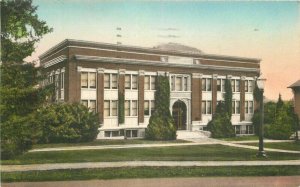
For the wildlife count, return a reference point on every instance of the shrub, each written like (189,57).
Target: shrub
(161,124)
(63,122)
(220,126)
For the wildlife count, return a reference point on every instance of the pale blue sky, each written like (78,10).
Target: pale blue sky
(266,30)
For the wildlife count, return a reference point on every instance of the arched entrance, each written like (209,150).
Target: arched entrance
(179,115)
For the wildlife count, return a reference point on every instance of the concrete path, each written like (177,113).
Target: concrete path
(266,181)
(40,167)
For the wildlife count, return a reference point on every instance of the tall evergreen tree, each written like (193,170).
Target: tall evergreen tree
(279,103)
(228,98)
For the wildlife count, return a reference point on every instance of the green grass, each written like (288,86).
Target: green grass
(149,172)
(241,138)
(293,146)
(180,153)
(106,142)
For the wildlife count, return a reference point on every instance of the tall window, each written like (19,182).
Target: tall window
(206,107)
(84,79)
(134,82)
(147,82)
(62,80)
(249,107)
(127,108)
(127,81)
(131,82)
(134,108)
(92,106)
(235,107)
(153,80)
(206,84)
(114,81)
(237,85)
(152,103)
(84,103)
(114,108)
(106,108)
(246,86)
(219,87)
(107,81)
(233,85)
(110,81)
(178,84)
(185,83)
(146,108)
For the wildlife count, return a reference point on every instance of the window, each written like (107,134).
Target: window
(152,106)
(235,107)
(114,81)
(219,85)
(111,133)
(114,108)
(62,80)
(107,81)
(92,80)
(146,108)
(147,82)
(237,129)
(153,80)
(246,86)
(134,82)
(249,107)
(233,85)
(178,84)
(127,108)
(84,79)
(206,84)
(206,107)
(249,129)
(134,108)
(237,85)
(185,83)
(223,85)
(106,108)
(84,103)
(250,89)
(92,106)
(127,81)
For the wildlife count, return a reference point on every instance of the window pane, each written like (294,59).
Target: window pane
(203,84)
(93,106)
(223,85)
(246,107)
(84,103)
(134,108)
(62,77)
(203,107)
(233,85)
(233,107)
(250,86)
(147,83)
(127,108)
(237,85)
(237,129)
(153,80)
(237,107)
(185,83)
(178,84)
(146,108)
(127,81)
(84,79)
(250,107)
(246,86)
(152,106)
(92,79)
(219,85)
(106,108)
(114,81)
(208,105)
(208,86)
(107,81)
(134,82)
(134,133)
(114,108)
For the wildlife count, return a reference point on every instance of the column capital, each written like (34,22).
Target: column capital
(229,77)
(79,68)
(141,72)
(215,76)
(100,70)
(162,73)
(122,71)
(243,78)
(197,75)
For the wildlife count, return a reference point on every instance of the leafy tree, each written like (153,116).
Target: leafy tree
(64,122)
(161,124)
(228,98)
(279,103)
(21,29)
(220,126)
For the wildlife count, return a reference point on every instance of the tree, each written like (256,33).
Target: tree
(279,103)
(228,98)
(20,95)
(161,124)
(220,126)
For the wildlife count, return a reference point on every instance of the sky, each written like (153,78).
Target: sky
(269,31)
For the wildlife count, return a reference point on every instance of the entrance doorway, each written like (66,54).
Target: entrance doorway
(179,115)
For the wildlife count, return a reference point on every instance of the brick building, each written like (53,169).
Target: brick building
(296,90)
(93,73)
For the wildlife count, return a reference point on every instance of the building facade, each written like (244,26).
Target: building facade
(296,91)
(95,73)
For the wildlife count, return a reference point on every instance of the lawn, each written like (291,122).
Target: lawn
(107,142)
(149,172)
(178,153)
(294,146)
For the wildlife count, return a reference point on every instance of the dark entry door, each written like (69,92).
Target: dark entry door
(179,115)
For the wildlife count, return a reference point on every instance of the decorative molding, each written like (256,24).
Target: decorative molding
(229,76)
(141,73)
(215,76)
(162,73)
(197,75)
(100,70)
(54,61)
(79,68)
(122,71)
(243,78)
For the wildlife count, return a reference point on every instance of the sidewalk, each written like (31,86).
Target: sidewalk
(42,167)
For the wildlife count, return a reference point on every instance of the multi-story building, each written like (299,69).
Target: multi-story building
(296,91)
(94,73)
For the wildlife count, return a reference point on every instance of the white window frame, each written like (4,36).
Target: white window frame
(88,104)
(110,75)
(88,80)
(206,112)
(205,89)
(110,114)
(236,109)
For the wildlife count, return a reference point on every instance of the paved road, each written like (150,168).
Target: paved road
(40,167)
(173,182)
